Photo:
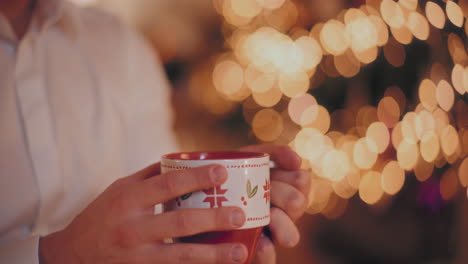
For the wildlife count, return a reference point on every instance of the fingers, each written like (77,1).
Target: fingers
(288,198)
(281,154)
(152,228)
(200,253)
(300,179)
(170,185)
(283,230)
(265,251)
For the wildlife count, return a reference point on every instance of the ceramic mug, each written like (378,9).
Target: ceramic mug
(247,187)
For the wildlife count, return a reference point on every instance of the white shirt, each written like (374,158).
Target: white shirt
(83,102)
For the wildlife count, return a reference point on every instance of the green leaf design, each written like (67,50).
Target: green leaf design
(254,191)
(186,196)
(251,193)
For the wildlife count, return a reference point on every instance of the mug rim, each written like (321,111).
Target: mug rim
(214,155)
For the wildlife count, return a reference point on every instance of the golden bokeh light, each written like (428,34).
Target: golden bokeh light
(394,53)
(397,135)
(259,81)
(427,94)
(424,123)
(423,170)
(449,185)
(343,188)
(319,195)
(303,109)
(435,14)
(336,165)
(282,18)
(445,95)
(335,208)
(363,34)
(402,35)
(407,155)
(456,48)
(449,140)
(454,13)
(346,64)
(408,128)
(382,30)
(245,8)
(232,17)
(392,14)
(367,56)
(463,172)
(267,125)
(459,84)
(388,111)
(293,83)
(311,50)
(418,25)
(370,190)
(363,156)
(430,147)
(309,143)
(378,136)
(271,4)
(393,178)
(409,4)
(268,98)
(397,94)
(228,77)
(333,37)
(441,120)
(365,116)
(322,122)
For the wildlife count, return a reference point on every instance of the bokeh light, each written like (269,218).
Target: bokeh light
(393,177)
(370,190)
(435,15)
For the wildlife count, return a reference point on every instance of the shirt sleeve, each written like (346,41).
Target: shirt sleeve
(20,251)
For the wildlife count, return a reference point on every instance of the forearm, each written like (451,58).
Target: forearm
(57,248)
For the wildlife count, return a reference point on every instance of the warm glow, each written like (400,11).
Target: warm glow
(259,81)
(303,109)
(441,120)
(408,128)
(463,172)
(397,135)
(232,17)
(449,185)
(392,14)
(363,34)
(402,35)
(347,64)
(407,155)
(228,77)
(322,122)
(393,178)
(409,4)
(423,170)
(370,189)
(449,140)
(363,156)
(271,4)
(388,111)
(344,188)
(382,30)
(435,15)
(396,93)
(336,165)
(378,136)
(268,98)
(267,125)
(293,83)
(367,56)
(319,195)
(245,8)
(365,116)
(309,143)
(311,50)
(454,13)
(334,38)
(418,25)
(445,95)
(427,94)
(424,123)
(458,73)
(430,147)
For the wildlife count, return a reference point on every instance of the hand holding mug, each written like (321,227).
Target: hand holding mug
(120,225)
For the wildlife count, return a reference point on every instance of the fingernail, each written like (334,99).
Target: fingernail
(218,174)
(237,217)
(237,254)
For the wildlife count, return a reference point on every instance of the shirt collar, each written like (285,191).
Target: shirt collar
(46,14)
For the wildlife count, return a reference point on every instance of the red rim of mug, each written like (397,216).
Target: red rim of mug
(214,155)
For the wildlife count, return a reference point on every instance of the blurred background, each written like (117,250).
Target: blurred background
(371,94)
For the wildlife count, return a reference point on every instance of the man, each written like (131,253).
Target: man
(82,104)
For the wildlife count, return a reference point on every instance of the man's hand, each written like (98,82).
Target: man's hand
(120,225)
(289,190)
